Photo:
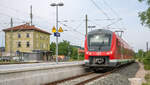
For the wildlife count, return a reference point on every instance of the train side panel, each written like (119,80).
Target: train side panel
(119,54)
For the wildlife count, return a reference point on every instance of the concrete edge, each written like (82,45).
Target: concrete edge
(37,68)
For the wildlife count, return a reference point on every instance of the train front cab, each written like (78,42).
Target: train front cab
(101,59)
(109,59)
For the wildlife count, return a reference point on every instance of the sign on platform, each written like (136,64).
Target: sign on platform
(60,29)
(54,29)
(57,34)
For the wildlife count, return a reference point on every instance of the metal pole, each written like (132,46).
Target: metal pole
(31,16)
(78,54)
(56,31)
(11,37)
(86,24)
(147,46)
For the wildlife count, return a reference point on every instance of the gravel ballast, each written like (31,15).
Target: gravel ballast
(120,77)
(112,79)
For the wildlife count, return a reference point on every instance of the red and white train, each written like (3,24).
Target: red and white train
(104,49)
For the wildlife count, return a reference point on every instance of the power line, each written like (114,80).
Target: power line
(114,22)
(73,29)
(116,14)
(11,16)
(99,8)
(21,12)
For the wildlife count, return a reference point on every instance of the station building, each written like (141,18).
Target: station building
(26,38)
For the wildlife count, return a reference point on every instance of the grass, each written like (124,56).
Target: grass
(147,78)
(147,67)
(146,63)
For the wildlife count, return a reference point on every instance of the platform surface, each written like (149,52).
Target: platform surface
(21,67)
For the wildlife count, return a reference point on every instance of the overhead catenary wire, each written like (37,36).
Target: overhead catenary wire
(115,13)
(73,29)
(22,13)
(98,7)
(11,16)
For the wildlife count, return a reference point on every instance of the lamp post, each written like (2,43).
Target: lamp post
(53,5)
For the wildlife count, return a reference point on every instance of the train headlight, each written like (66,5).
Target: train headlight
(87,53)
(108,53)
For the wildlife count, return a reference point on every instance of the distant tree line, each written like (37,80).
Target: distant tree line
(143,57)
(66,49)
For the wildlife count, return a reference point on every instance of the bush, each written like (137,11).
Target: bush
(147,78)
(146,83)
(147,67)
(146,61)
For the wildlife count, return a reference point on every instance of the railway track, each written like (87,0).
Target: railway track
(84,78)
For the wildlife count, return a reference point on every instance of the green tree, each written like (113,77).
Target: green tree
(53,48)
(140,53)
(145,15)
(74,54)
(81,56)
(63,48)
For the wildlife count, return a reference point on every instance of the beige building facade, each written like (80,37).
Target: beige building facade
(26,38)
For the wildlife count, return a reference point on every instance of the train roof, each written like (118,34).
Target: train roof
(105,31)
(100,31)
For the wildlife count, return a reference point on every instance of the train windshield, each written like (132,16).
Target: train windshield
(99,42)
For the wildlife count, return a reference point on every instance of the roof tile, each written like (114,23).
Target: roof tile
(25,27)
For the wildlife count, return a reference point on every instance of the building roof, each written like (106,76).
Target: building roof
(26,27)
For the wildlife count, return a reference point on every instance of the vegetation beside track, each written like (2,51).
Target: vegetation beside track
(66,49)
(144,57)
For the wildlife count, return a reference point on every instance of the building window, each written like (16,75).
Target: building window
(19,35)
(44,46)
(41,46)
(28,35)
(19,44)
(28,44)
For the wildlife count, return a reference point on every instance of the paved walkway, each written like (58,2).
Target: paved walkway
(139,77)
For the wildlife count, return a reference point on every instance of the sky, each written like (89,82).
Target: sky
(72,18)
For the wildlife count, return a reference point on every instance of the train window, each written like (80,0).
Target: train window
(99,42)
(117,43)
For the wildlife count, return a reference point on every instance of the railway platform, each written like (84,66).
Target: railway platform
(38,73)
